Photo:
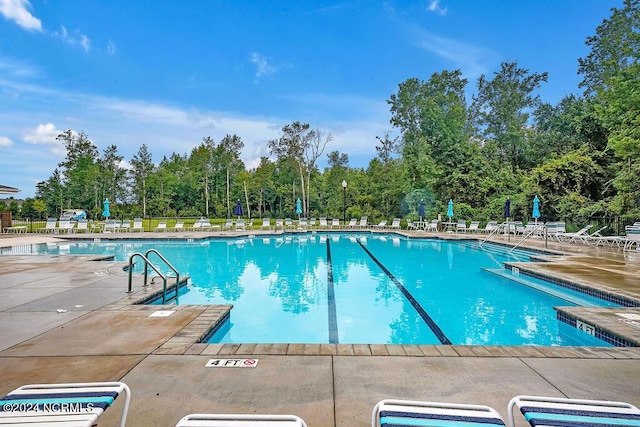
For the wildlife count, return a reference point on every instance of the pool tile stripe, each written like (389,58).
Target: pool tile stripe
(425,316)
(331,299)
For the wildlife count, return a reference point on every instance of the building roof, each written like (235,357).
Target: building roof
(8,190)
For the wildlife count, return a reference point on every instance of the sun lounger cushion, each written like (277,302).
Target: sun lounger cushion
(240,420)
(396,413)
(76,404)
(550,411)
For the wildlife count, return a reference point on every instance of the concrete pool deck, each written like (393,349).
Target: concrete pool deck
(68,319)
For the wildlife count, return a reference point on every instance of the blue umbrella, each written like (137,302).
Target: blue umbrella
(238,209)
(536,209)
(421,210)
(450,209)
(105,212)
(507,208)
(298,207)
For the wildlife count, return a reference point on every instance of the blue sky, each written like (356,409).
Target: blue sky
(169,73)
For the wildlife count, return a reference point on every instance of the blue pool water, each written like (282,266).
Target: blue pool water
(367,288)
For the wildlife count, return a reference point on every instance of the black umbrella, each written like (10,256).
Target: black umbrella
(238,209)
(421,210)
(507,208)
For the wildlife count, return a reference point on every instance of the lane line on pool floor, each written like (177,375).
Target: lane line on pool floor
(421,311)
(331,299)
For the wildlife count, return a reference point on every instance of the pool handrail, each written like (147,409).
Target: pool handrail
(164,291)
(154,268)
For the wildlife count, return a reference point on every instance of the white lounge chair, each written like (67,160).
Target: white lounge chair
(137,225)
(363,222)
(473,227)
(50,226)
(266,223)
(83,226)
(392,412)
(433,225)
(461,226)
(555,411)
(65,226)
(632,238)
(111,226)
(395,224)
(303,224)
(162,226)
(335,223)
(279,224)
(205,224)
(240,420)
(240,224)
(411,225)
(381,224)
(71,404)
(312,222)
(323,223)
(179,226)
(228,224)
(490,227)
(288,223)
(579,235)
(125,225)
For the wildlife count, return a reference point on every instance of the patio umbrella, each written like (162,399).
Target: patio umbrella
(105,212)
(238,209)
(450,210)
(536,209)
(507,209)
(421,210)
(298,207)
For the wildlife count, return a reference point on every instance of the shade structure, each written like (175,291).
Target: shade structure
(5,189)
(237,210)
(507,208)
(105,208)
(450,209)
(298,207)
(421,210)
(536,209)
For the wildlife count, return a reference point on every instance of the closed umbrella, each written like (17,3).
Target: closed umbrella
(421,210)
(238,209)
(450,210)
(105,212)
(536,209)
(507,214)
(298,207)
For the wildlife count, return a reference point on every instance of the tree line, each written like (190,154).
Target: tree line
(580,156)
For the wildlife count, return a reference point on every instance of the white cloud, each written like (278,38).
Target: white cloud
(43,134)
(111,48)
(5,141)
(18,11)
(434,6)
(75,39)
(262,65)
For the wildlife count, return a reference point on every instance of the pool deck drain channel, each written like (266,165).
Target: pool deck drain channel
(331,299)
(425,316)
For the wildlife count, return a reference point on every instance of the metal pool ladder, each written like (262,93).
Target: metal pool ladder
(147,264)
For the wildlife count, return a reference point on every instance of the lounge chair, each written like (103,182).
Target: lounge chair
(65,226)
(266,223)
(288,223)
(137,225)
(82,226)
(490,227)
(125,226)
(411,225)
(579,235)
(395,224)
(323,223)
(312,222)
(205,224)
(632,238)
(162,226)
(473,227)
(353,223)
(72,404)
(556,230)
(49,227)
(279,224)
(240,224)
(363,222)
(240,420)
(179,226)
(461,226)
(335,223)
(555,411)
(432,226)
(228,224)
(302,224)
(111,226)
(391,412)
(381,224)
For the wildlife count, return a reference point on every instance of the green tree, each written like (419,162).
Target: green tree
(141,168)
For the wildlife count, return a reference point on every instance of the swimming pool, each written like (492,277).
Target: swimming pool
(361,288)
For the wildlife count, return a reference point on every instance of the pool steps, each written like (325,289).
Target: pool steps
(539,286)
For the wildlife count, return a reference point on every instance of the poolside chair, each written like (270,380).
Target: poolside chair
(473,227)
(240,224)
(266,223)
(302,224)
(381,224)
(49,227)
(162,226)
(490,227)
(556,411)
(288,223)
(461,226)
(125,225)
(392,412)
(312,222)
(323,223)
(205,224)
(72,404)
(111,225)
(363,222)
(279,224)
(179,226)
(228,224)
(335,223)
(632,238)
(411,225)
(65,226)
(578,235)
(137,225)
(240,420)
(395,224)
(353,223)
(83,226)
